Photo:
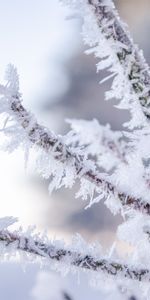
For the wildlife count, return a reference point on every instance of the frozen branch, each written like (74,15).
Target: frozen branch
(72,258)
(65,159)
(42,137)
(109,39)
(129,56)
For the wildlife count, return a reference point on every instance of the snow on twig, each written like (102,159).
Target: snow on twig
(110,41)
(67,256)
(42,137)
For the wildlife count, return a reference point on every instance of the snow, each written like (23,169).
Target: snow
(121,158)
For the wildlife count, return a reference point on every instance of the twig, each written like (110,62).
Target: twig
(50,251)
(45,139)
(129,56)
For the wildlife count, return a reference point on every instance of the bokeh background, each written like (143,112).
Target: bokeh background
(57,81)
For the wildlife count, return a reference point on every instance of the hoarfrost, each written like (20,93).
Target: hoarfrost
(109,165)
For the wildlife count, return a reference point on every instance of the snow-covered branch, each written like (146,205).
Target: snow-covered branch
(67,256)
(109,40)
(130,58)
(88,151)
(42,137)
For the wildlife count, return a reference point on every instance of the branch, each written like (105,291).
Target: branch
(130,58)
(72,258)
(42,137)
(111,42)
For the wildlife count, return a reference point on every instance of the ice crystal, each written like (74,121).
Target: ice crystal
(110,166)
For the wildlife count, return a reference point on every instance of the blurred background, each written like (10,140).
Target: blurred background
(57,81)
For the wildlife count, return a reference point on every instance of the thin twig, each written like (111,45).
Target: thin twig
(129,56)
(50,251)
(42,137)
(45,139)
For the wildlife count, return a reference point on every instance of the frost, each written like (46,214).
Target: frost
(60,174)
(12,79)
(6,222)
(93,139)
(110,166)
(99,35)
